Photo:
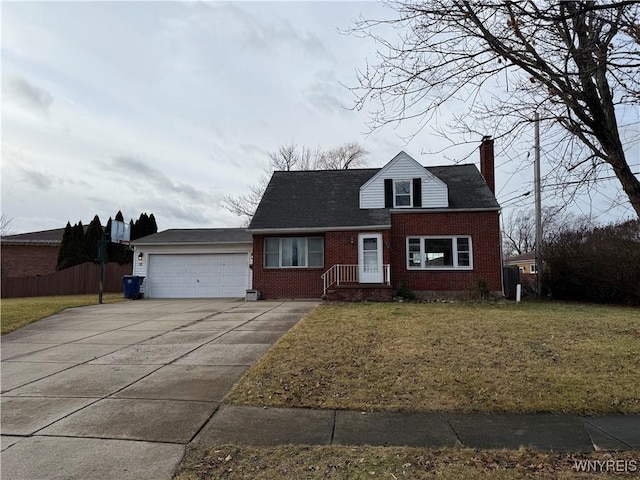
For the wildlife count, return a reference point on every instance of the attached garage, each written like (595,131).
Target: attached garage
(197,276)
(194,263)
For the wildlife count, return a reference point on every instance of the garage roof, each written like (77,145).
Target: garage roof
(186,236)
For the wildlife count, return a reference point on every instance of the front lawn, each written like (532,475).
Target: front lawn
(467,357)
(18,312)
(349,463)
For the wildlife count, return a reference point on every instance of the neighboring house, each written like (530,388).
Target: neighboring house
(29,254)
(194,263)
(358,234)
(525,262)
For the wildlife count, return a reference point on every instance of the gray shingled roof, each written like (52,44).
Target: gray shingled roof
(44,237)
(331,198)
(467,188)
(196,236)
(316,199)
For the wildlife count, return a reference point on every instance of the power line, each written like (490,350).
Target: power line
(575,182)
(561,184)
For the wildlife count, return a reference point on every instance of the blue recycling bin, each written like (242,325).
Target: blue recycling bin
(131,284)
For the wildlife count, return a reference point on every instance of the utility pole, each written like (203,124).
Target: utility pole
(536,173)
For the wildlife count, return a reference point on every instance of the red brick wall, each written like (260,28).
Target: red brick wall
(342,248)
(484,229)
(339,247)
(284,282)
(28,260)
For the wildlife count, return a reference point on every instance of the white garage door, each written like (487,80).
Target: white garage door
(197,276)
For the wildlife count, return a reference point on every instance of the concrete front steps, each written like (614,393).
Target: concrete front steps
(372,292)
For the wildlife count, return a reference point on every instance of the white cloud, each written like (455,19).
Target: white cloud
(18,92)
(166,107)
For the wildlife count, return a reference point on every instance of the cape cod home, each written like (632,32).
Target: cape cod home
(349,234)
(359,234)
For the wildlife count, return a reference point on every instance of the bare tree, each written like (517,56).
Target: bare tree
(293,157)
(519,229)
(6,227)
(349,155)
(496,63)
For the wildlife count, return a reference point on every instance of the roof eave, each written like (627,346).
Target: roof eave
(445,210)
(261,231)
(189,243)
(31,242)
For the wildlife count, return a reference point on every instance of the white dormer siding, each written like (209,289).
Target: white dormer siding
(403,167)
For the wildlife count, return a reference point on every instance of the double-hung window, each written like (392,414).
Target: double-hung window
(439,253)
(402,193)
(293,252)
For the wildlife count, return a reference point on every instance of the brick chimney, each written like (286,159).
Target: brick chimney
(487,163)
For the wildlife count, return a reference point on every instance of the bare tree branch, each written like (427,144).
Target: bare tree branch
(6,227)
(495,63)
(293,157)
(519,229)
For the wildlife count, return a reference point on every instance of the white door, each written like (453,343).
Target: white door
(370,257)
(197,276)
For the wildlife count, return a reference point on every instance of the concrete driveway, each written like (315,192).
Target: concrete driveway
(117,391)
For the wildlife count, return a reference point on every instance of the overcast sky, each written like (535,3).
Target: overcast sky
(166,107)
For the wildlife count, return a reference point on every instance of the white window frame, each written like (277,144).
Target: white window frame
(423,255)
(410,182)
(532,268)
(306,256)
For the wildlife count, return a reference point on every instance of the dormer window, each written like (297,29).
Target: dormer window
(402,193)
(406,193)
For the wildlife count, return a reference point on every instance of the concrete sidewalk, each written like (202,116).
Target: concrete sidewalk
(117,391)
(275,426)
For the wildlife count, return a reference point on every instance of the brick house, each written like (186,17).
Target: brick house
(30,254)
(358,234)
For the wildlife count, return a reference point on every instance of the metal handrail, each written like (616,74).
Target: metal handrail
(349,274)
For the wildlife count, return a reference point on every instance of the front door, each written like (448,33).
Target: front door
(370,257)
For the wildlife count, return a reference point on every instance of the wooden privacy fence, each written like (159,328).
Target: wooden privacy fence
(79,279)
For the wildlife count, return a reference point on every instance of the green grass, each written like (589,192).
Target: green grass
(18,312)
(354,463)
(467,357)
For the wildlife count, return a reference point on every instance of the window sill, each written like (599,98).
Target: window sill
(440,269)
(293,268)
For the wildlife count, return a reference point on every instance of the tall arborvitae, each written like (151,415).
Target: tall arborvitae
(92,238)
(136,231)
(145,225)
(79,246)
(78,252)
(63,253)
(153,226)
